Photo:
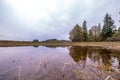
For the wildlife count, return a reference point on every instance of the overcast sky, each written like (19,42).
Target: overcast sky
(44,19)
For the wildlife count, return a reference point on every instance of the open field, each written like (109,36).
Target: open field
(107,45)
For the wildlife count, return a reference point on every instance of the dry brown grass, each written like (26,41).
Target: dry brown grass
(107,45)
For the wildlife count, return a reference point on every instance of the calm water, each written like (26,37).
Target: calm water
(68,63)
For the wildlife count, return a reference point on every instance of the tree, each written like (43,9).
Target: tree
(85,35)
(76,34)
(119,29)
(108,27)
(94,33)
(90,35)
(99,32)
(35,40)
(99,28)
(116,36)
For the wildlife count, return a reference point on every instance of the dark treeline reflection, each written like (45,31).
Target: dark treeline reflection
(36,46)
(55,46)
(52,46)
(106,57)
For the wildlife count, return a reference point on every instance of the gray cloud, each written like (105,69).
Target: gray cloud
(58,23)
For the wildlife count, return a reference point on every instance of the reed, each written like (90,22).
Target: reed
(19,72)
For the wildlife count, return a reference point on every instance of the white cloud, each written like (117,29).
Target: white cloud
(32,10)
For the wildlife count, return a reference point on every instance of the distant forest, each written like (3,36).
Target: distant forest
(106,32)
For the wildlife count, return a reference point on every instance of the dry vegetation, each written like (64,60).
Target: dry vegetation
(106,45)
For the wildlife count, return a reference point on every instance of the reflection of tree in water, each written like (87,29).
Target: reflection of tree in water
(78,53)
(55,46)
(106,57)
(116,54)
(36,46)
(96,55)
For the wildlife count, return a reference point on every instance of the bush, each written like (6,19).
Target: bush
(35,40)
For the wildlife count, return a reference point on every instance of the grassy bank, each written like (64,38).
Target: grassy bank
(108,45)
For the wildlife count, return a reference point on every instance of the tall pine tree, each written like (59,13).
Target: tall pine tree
(85,34)
(99,32)
(108,27)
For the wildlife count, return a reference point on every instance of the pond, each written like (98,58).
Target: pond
(59,63)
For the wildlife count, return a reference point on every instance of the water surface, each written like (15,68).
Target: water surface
(67,63)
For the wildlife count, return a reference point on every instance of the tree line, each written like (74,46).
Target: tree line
(106,32)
